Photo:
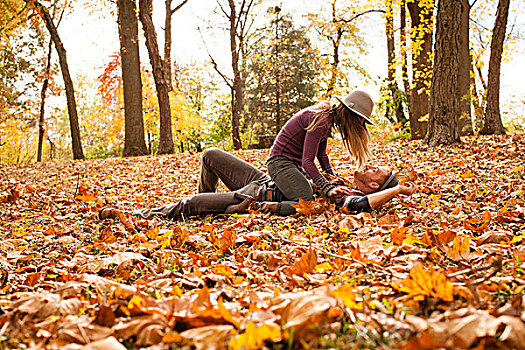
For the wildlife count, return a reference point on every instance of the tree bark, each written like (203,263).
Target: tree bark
(238,86)
(463,87)
(492,123)
(134,143)
(421,18)
(41,118)
(160,76)
(68,83)
(443,112)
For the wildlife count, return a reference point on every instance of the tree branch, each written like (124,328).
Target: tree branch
(358,15)
(215,66)
(179,6)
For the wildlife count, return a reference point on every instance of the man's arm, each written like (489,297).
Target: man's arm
(376,200)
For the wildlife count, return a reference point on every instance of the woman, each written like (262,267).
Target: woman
(304,137)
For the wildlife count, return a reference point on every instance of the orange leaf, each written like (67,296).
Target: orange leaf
(306,264)
(460,249)
(223,270)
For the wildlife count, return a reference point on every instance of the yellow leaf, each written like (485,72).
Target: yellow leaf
(321,268)
(254,337)
(136,303)
(348,296)
(421,283)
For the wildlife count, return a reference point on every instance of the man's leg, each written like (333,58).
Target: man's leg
(199,204)
(234,172)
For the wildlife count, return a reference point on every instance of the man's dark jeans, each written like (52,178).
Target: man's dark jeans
(242,178)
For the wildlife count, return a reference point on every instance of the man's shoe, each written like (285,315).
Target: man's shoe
(107,213)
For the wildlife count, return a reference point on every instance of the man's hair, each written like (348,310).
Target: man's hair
(390,182)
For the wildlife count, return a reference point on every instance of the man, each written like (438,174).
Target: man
(375,185)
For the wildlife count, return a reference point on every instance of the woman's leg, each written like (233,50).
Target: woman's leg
(290,181)
(234,172)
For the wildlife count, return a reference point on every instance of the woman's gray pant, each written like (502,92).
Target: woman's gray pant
(291,182)
(242,178)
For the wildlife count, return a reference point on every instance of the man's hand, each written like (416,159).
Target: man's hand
(339,191)
(266,207)
(408,188)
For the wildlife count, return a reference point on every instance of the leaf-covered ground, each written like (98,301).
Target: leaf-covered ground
(443,268)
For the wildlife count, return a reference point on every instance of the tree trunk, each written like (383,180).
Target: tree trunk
(443,112)
(421,18)
(41,119)
(167,43)
(238,88)
(392,84)
(161,79)
(492,123)
(68,83)
(134,143)
(167,38)
(463,87)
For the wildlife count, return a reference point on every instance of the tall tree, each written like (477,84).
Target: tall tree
(167,36)
(421,14)
(160,75)
(134,143)
(465,61)
(68,83)
(443,110)
(238,14)
(492,123)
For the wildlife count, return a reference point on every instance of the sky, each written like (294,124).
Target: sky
(90,40)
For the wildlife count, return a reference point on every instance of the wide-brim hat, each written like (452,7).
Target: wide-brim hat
(360,103)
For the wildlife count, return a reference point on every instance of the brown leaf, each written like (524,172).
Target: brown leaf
(109,343)
(105,316)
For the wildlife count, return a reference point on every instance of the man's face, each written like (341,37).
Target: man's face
(371,177)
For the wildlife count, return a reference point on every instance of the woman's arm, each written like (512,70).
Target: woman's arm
(323,158)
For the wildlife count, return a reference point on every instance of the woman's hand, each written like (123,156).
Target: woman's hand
(339,191)
(408,188)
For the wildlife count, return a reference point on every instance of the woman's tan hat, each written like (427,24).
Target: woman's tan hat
(360,103)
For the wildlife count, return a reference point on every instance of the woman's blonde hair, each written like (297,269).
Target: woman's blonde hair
(354,134)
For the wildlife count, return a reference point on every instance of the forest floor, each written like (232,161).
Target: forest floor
(442,268)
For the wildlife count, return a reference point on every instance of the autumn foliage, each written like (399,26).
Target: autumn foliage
(441,269)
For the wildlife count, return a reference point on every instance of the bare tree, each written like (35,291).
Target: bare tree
(68,83)
(492,123)
(160,75)
(167,37)
(443,117)
(238,16)
(134,143)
